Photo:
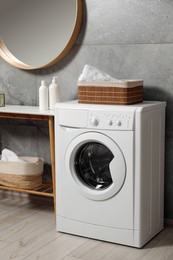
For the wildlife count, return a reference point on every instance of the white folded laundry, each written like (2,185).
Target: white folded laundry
(10,156)
(92,74)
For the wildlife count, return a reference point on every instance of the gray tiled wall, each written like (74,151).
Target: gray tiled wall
(127,39)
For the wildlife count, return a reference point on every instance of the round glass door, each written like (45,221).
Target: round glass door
(95,165)
(92,165)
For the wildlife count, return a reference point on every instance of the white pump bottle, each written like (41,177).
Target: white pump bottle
(54,93)
(43,96)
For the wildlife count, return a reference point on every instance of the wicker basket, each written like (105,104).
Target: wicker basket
(23,175)
(118,93)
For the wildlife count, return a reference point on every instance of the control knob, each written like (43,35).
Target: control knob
(118,123)
(110,122)
(94,121)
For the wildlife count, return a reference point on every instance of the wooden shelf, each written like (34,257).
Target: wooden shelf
(42,190)
(33,113)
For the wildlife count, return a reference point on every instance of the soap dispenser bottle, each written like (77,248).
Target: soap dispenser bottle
(43,96)
(54,93)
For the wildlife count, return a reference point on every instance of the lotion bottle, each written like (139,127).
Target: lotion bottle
(54,93)
(43,96)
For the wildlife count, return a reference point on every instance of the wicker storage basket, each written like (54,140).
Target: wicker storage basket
(118,93)
(23,175)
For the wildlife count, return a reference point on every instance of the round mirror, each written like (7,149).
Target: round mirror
(37,34)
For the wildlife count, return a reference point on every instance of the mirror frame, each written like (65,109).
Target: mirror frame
(12,60)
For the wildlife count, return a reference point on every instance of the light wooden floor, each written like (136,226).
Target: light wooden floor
(27,231)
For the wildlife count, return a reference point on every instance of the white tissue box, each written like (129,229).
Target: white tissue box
(26,175)
(123,92)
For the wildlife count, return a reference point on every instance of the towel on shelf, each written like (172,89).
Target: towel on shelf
(10,156)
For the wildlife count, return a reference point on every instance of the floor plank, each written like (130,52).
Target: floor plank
(93,249)
(10,202)
(58,248)
(3,244)
(70,258)
(39,218)
(29,244)
(18,214)
(163,249)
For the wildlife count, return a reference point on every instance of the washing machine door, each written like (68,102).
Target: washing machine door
(95,165)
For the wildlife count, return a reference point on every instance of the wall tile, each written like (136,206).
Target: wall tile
(127,21)
(20,139)
(18,85)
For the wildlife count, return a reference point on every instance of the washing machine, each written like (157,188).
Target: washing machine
(110,171)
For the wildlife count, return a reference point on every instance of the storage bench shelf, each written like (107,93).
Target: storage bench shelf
(33,113)
(42,190)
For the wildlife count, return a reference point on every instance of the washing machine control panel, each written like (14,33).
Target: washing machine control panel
(111,120)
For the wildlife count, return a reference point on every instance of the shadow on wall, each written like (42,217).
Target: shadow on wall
(158,94)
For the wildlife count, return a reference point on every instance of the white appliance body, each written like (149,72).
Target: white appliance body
(110,171)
